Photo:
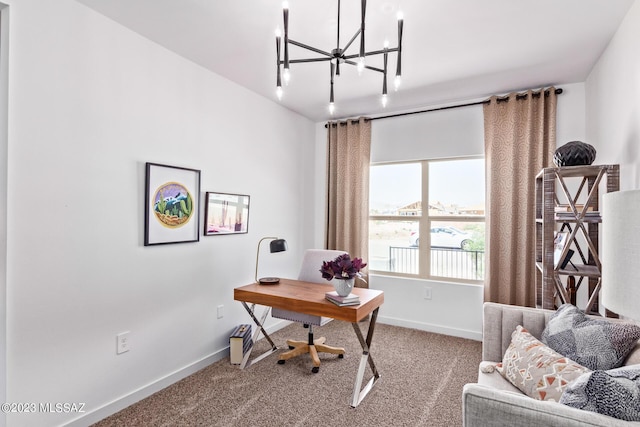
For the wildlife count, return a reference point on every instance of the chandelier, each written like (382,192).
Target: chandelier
(338,56)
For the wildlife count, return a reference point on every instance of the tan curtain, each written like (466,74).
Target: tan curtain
(520,139)
(348,161)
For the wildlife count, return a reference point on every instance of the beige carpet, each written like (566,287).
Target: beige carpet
(421,379)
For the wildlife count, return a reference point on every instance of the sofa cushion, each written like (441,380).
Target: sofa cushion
(615,393)
(594,343)
(535,369)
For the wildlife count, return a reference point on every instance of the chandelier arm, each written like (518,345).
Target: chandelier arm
(373,53)
(351,41)
(313,49)
(399,58)
(331,98)
(384,77)
(368,67)
(299,61)
(332,67)
(338,32)
(382,51)
(278,79)
(285,16)
(364,12)
(380,70)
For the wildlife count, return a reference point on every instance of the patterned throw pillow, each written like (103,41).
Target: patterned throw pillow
(615,393)
(594,343)
(535,369)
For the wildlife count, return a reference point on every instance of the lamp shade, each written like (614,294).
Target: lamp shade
(278,245)
(621,253)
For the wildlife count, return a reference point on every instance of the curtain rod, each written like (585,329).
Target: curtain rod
(486,101)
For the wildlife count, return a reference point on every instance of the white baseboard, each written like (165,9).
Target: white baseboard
(134,396)
(430,327)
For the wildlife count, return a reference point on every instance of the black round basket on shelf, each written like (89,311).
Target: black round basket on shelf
(574,153)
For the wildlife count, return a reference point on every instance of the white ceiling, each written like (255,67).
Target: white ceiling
(453,50)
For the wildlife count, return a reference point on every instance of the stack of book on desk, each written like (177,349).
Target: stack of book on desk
(351,299)
(239,342)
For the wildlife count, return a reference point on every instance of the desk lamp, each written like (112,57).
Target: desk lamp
(276,245)
(621,252)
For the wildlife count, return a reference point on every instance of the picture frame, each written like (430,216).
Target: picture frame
(172,204)
(567,260)
(560,240)
(226,213)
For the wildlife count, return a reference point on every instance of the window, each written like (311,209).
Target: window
(442,238)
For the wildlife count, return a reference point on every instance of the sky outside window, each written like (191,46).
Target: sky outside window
(453,182)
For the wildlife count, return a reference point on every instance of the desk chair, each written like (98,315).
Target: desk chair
(309,272)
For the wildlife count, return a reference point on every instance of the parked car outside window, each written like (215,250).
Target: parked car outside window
(444,237)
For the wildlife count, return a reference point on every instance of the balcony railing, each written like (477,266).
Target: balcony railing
(445,262)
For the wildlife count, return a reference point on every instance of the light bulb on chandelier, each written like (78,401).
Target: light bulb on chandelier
(384,98)
(396,83)
(361,65)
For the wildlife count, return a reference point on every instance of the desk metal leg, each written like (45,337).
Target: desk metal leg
(359,393)
(245,360)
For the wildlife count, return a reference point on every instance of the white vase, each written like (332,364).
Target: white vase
(343,286)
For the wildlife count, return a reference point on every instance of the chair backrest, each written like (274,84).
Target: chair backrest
(309,272)
(312,261)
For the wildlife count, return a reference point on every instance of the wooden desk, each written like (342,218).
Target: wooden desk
(308,298)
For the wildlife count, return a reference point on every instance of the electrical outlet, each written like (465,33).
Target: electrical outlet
(122,342)
(220,311)
(427,293)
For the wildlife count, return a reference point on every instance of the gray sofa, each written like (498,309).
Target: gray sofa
(494,401)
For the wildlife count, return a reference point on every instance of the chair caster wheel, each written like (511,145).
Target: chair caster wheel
(281,362)
(341,356)
(315,369)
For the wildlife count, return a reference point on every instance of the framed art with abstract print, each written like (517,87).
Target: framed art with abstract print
(226,214)
(171,210)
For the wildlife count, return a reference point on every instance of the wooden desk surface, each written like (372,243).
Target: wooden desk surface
(307,297)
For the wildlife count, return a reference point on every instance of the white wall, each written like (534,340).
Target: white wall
(455,309)
(613,102)
(89,103)
(570,117)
